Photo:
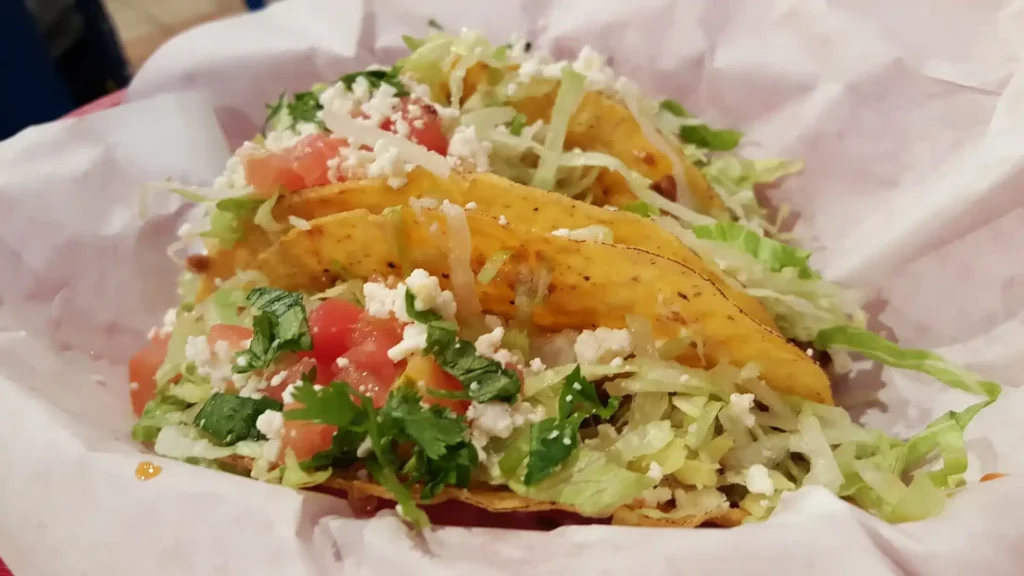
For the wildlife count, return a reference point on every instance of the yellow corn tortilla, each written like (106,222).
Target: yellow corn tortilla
(494,196)
(603,124)
(499,499)
(591,284)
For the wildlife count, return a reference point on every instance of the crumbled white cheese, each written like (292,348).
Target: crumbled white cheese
(471,206)
(616,362)
(428,293)
(342,362)
(133,385)
(233,178)
(602,345)
(379,299)
(526,413)
(759,481)
(388,164)
(489,420)
(197,350)
(489,346)
(537,366)
(169,320)
(382,104)
(414,339)
(270,423)
(465,150)
(595,233)
(592,65)
(502,220)
(655,472)
(284,140)
(365,448)
(287,396)
(299,223)
(740,406)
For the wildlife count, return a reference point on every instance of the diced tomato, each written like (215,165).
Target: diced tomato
(268,171)
(306,439)
(236,337)
(331,325)
(424,125)
(426,372)
(310,156)
(291,375)
(303,166)
(142,372)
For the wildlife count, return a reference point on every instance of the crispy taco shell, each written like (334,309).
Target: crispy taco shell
(497,499)
(591,284)
(522,206)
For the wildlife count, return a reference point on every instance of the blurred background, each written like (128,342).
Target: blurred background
(64,54)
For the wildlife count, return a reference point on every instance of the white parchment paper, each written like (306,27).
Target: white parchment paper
(910,117)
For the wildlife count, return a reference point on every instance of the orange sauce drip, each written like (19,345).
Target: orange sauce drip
(147,470)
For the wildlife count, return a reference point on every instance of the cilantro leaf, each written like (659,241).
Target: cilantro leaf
(453,468)
(422,316)
(375,78)
(285,113)
(700,134)
(580,396)
(718,140)
(515,128)
(642,208)
(332,405)
(440,337)
(433,429)
(483,378)
(280,326)
(229,418)
(553,440)
(304,108)
(387,477)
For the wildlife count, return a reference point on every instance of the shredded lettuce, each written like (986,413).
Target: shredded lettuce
(264,217)
(775,255)
(181,442)
(590,482)
(643,440)
(294,476)
(570,94)
(734,178)
(877,348)
(187,324)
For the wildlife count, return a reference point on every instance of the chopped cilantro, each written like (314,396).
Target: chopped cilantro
(700,134)
(435,439)
(280,326)
(229,418)
(515,128)
(377,77)
(553,440)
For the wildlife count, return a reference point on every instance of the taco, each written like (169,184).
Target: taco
(421,283)
(513,204)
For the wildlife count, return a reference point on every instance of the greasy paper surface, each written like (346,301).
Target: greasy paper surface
(908,116)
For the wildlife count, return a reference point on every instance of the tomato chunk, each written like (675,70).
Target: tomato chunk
(235,337)
(424,125)
(305,439)
(428,374)
(332,328)
(142,368)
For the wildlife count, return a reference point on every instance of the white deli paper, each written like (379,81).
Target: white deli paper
(909,116)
